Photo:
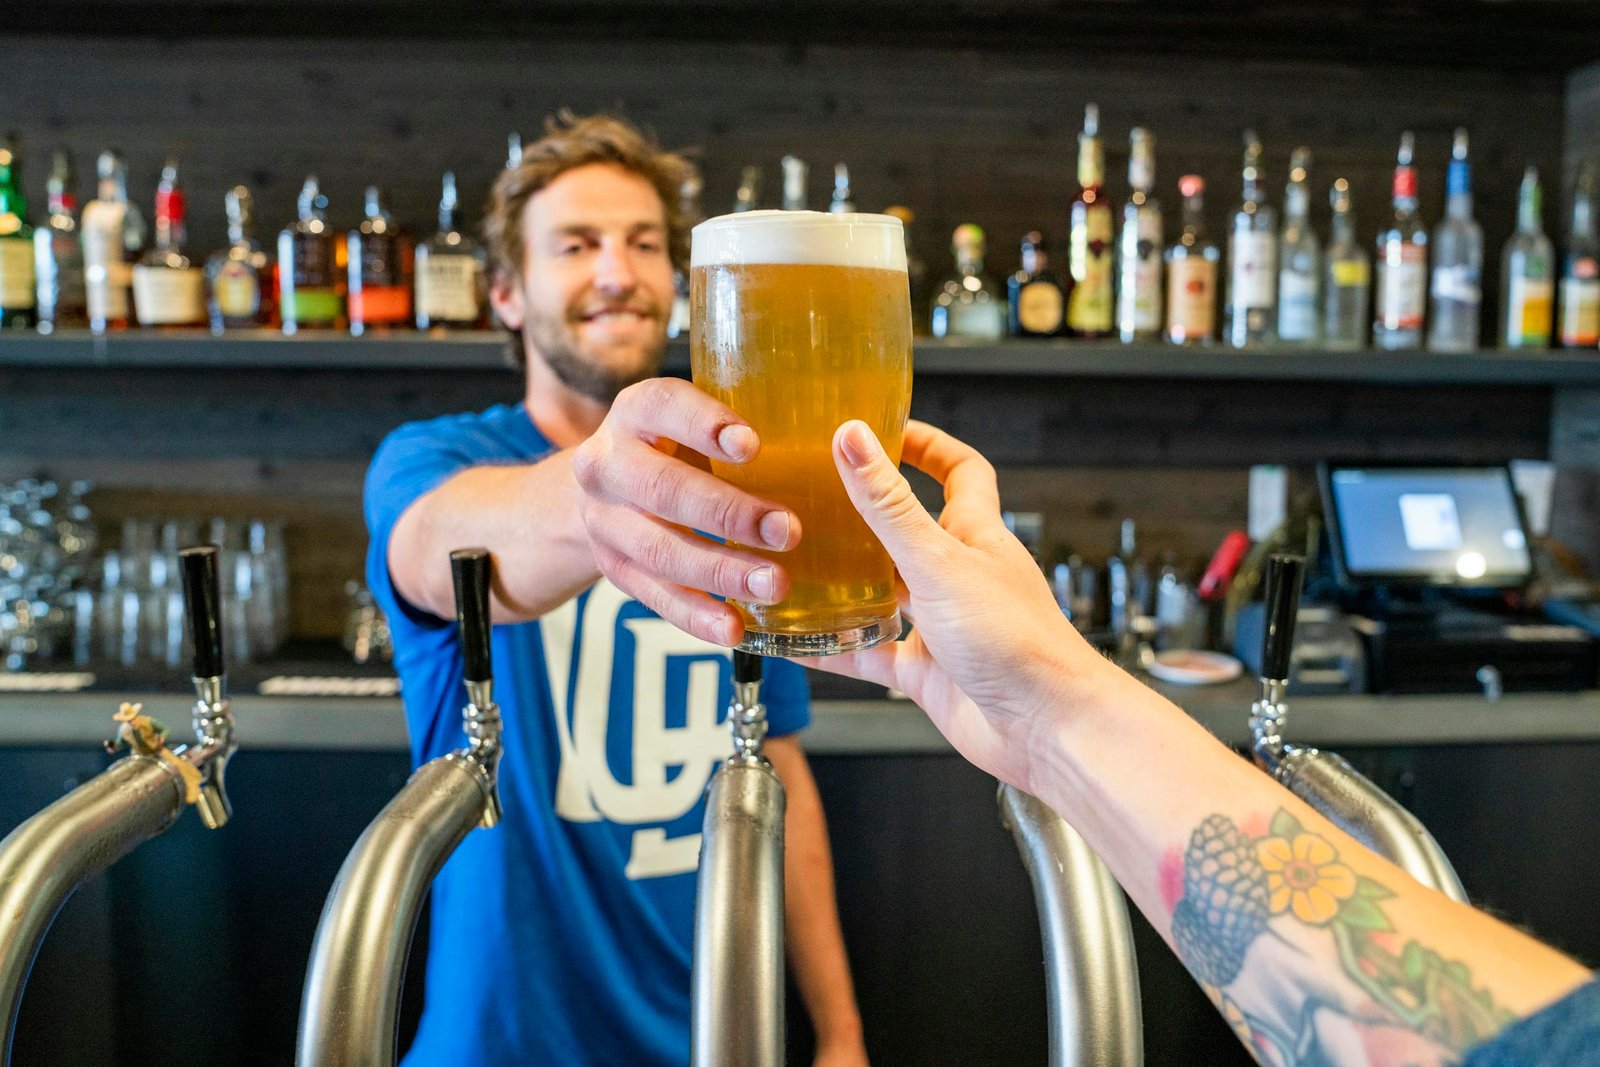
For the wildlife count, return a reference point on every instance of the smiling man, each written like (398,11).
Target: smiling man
(564,935)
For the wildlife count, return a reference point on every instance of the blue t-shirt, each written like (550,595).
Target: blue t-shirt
(564,935)
(1566,1034)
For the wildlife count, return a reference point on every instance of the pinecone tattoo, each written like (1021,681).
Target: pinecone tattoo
(1224,905)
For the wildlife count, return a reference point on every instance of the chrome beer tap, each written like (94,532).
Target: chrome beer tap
(738,990)
(51,854)
(1326,780)
(1091,976)
(349,1012)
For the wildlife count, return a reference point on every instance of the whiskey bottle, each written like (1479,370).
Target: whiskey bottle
(1192,272)
(843,203)
(1139,247)
(1457,286)
(58,253)
(379,269)
(1580,273)
(1252,257)
(450,271)
(1036,298)
(1346,285)
(1299,259)
(239,278)
(112,228)
(689,212)
(1089,308)
(169,290)
(513,150)
(968,305)
(309,293)
(1526,268)
(748,198)
(18,291)
(916,270)
(794,183)
(1402,262)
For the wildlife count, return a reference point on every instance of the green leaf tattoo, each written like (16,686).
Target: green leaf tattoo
(1235,887)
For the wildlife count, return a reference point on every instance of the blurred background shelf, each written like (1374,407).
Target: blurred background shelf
(486,351)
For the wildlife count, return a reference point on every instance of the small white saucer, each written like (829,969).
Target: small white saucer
(1192,667)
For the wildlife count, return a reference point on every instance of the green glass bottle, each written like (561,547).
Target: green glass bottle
(19,301)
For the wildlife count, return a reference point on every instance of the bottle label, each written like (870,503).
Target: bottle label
(105,275)
(1254,269)
(1191,298)
(237,291)
(1297,305)
(1580,303)
(58,262)
(1458,283)
(1139,294)
(1402,286)
(1089,308)
(306,306)
(1350,273)
(17,291)
(1040,308)
(447,289)
(380,304)
(163,296)
(1528,312)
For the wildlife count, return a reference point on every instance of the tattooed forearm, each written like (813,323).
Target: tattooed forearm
(1258,911)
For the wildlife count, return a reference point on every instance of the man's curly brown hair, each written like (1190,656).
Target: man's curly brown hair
(570,142)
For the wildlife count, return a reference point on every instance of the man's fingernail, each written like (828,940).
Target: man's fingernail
(775,529)
(737,441)
(859,445)
(760,582)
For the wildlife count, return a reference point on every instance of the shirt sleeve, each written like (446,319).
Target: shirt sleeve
(1565,1034)
(786,691)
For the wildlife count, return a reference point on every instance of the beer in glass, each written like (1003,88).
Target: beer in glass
(800,322)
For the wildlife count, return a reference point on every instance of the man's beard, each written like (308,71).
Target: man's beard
(587,375)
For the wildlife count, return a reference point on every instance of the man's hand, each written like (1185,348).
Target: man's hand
(643,502)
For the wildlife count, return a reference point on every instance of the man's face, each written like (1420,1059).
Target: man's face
(596,285)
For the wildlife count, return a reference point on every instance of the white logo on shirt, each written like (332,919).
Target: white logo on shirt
(586,790)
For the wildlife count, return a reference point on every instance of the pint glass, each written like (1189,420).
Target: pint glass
(800,322)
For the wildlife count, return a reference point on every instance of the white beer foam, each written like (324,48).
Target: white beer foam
(813,237)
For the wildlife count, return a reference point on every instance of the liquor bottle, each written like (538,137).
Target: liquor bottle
(1299,259)
(916,270)
(794,183)
(1346,284)
(309,293)
(450,271)
(1580,273)
(748,198)
(1036,298)
(239,278)
(1526,268)
(168,289)
(18,292)
(842,203)
(58,253)
(1457,287)
(379,268)
(513,150)
(1139,246)
(1402,262)
(111,229)
(1252,257)
(689,212)
(1192,272)
(1089,307)
(968,304)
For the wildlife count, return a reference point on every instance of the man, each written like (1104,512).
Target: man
(564,935)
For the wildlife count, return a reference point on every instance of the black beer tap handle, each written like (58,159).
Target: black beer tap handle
(1285,575)
(202,600)
(746,667)
(473,571)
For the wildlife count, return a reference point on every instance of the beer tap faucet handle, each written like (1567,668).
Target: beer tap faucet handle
(746,668)
(472,570)
(202,597)
(1284,579)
